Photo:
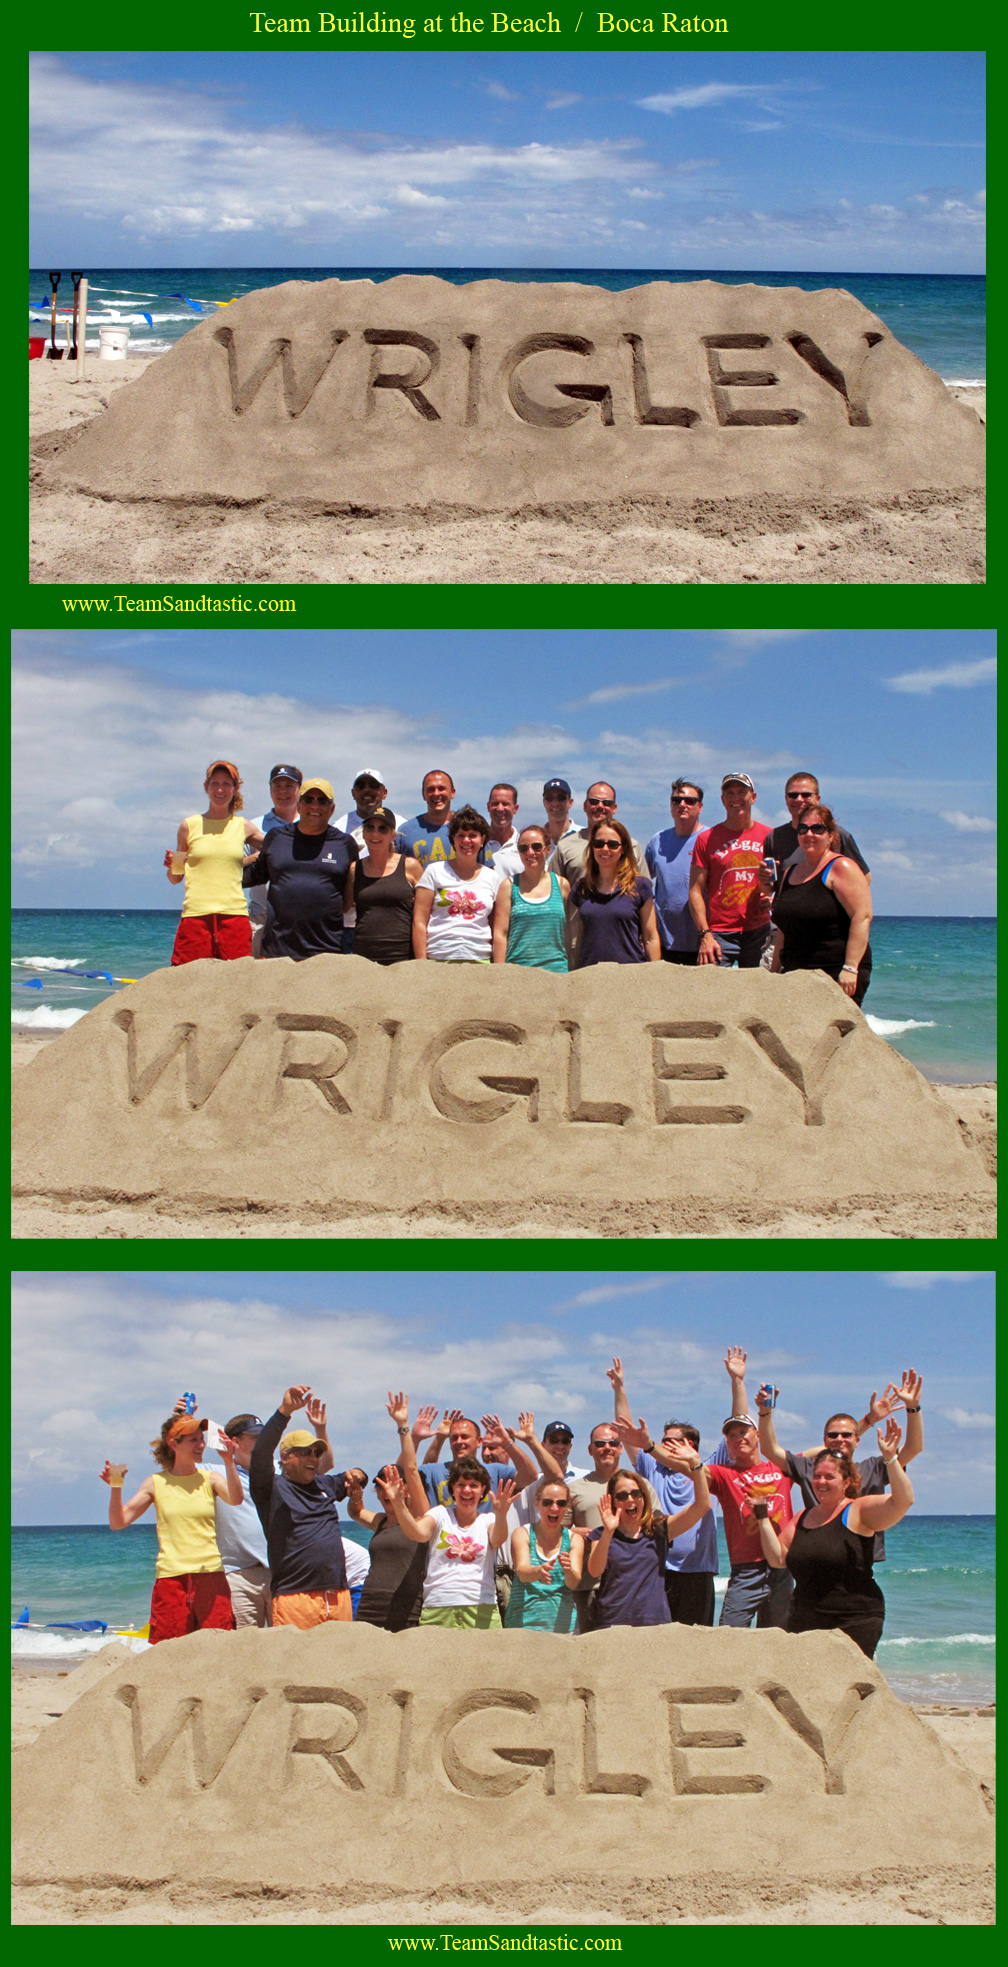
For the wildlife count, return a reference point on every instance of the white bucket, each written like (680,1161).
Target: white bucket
(114,344)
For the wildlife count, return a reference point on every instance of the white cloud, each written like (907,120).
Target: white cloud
(503,95)
(960,1418)
(608,1293)
(924,1280)
(707,95)
(564,99)
(954,676)
(615,692)
(167,161)
(969,822)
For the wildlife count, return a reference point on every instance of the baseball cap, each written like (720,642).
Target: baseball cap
(318,785)
(243,1424)
(299,1437)
(384,816)
(370,772)
(186,1424)
(558,785)
(738,1420)
(285,772)
(558,1427)
(737,778)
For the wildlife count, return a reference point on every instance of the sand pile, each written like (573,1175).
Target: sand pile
(414,394)
(336,1082)
(329,1759)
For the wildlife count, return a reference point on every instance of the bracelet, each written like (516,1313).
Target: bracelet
(912,1410)
(648,1448)
(852,967)
(401,1430)
(890,1459)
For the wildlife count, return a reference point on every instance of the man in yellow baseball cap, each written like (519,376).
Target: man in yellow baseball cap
(307,865)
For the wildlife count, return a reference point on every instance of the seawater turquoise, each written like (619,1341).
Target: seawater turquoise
(932,995)
(941,317)
(938,1580)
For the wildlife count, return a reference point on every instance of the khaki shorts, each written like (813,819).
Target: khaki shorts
(305,1609)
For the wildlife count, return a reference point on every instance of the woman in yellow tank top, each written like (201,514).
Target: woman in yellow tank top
(191,1590)
(208,858)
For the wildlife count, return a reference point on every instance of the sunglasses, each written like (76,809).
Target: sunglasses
(600,802)
(608,846)
(838,1434)
(684,799)
(532,847)
(314,799)
(817,828)
(602,1442)
(625,1496)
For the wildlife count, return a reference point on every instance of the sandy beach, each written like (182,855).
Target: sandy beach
(975,1107)
(887,1895)
(75,537)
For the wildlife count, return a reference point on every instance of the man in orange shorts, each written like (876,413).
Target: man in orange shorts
(297,1509)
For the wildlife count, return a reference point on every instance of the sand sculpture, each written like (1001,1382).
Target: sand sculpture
(414,393)
(285,1759)
(331,1081)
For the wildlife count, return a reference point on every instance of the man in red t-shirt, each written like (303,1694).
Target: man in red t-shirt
(729,894)
(755,1590)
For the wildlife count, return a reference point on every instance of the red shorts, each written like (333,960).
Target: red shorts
(199,1601)
(224,936)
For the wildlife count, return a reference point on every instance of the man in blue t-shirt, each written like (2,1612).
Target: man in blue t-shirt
(426,836)
(669,857)
(465,1439)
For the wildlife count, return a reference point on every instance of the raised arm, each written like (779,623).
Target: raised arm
(416,1495)
(598,1552)
(316,1411)
(227,1489)
(684,1519)
(768,1434)
(494,1432)
(355,1505)
(419,1529)
(621,1402)
(548,1463)
(441,1433)
(501,1500)
(735,1365)
(120,1514)
(908,1396)
(871,1513)
(775,1544)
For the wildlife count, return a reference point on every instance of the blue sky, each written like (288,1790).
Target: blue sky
(860,162)
(100,1359)
(120,726)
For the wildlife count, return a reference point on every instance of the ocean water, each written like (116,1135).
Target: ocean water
(932,994)
(938,1581)
(941,317)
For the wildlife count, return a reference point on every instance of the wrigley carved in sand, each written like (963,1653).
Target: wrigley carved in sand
(414,429)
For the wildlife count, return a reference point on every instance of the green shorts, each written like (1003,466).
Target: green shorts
(463,1618)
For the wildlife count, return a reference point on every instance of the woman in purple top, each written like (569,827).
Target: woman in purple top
(613,905)
(628,1554)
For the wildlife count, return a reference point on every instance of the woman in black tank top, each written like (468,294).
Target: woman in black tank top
(829,1548)
(381,888)
(822,911)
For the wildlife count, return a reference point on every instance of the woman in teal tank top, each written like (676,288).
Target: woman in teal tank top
(530,919)
(547,1565)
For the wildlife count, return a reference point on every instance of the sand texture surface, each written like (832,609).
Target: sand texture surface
(261,450)
(278,1092)
(531,1733)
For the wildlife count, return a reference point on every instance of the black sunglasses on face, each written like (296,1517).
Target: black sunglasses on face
(817,828)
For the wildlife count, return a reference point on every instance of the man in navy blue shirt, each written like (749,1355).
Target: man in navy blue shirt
(306,865)
(297,1510)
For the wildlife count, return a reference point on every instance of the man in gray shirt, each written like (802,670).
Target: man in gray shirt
(800,792)
(842,1434)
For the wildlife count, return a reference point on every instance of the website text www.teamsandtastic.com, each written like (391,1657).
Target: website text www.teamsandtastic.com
(451,1942)
(180,604)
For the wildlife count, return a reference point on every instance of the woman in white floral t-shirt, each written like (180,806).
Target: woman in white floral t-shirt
(454,908)
(459,1589)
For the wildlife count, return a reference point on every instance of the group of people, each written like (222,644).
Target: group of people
(455,885)
(494,1526)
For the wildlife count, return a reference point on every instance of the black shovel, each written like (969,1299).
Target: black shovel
(54,354)
(76,278)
